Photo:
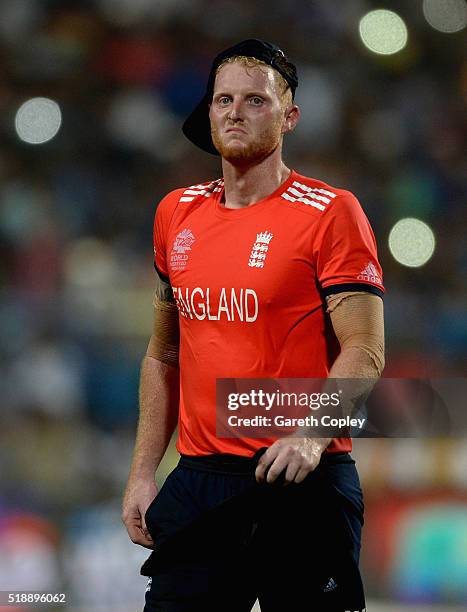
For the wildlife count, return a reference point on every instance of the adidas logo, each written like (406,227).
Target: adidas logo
(370,273)
(331,585)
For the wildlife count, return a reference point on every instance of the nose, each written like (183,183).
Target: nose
(235,111)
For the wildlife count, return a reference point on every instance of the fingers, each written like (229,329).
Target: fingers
(274,462)
(139,536)
(276,468)
(292,470)
(302,474)
(134,520)
(264,463)
(283,459)
(146,534)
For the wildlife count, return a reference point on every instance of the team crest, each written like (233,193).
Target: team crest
(260,248)
(182,244)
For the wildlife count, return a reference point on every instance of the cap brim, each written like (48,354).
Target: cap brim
(197,127)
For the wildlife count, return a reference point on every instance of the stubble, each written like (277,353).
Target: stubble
(255,151)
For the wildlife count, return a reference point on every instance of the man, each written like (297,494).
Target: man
(263,273)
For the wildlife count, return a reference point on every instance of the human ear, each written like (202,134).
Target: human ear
(291,118)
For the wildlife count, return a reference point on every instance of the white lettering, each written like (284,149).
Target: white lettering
(223,305)
(238,306)
(256,421)
(200,304)
(249,317)
(327,421)
(282,421)
(187,304)
(271,397)
(210,317)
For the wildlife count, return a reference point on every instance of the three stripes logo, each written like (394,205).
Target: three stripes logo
(312,196)
(205,190)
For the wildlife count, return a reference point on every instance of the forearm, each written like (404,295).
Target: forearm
(352,363)
(358,373)
(158,400)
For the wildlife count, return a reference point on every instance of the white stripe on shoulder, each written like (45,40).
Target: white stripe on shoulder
(311,194)
(201,189)
(299,192)
(291,196)
(194,192)
(310,190)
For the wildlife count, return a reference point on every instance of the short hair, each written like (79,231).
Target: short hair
(251,62)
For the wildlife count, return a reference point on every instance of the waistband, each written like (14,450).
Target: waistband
(237,465)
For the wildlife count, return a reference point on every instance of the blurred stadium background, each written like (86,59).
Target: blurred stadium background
(92,95)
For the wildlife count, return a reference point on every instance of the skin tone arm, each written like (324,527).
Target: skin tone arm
(158,400)
(357,320)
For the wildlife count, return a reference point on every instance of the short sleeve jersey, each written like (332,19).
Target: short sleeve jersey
(250,286)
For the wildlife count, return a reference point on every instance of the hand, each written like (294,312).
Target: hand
(299,455)
(138,495)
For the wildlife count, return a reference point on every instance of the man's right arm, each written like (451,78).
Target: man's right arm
(158,400)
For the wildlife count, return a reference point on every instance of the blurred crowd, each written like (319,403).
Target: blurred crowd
(76,213)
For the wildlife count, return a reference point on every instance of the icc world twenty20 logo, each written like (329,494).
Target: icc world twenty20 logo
(182,244)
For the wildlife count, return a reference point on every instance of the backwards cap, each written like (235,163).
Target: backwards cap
(197,126)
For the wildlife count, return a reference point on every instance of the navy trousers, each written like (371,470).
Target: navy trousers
(222,540)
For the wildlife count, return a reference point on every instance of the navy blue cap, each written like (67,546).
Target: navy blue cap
(197,126)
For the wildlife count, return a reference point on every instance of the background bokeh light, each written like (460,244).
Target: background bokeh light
(383,32)
(38,120)
(411,242)
(447,16)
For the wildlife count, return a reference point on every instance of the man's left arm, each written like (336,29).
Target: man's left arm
(358,322)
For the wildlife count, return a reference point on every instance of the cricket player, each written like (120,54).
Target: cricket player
(262,273)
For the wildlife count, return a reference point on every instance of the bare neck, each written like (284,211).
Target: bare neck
(246,185)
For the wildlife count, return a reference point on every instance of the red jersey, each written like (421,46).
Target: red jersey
(250,286)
